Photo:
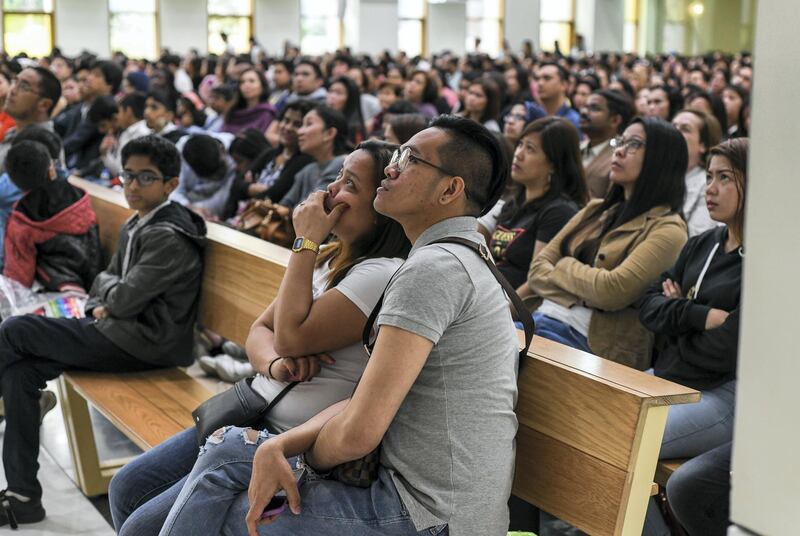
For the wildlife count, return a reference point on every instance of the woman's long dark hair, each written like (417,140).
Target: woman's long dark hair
(385,239)
(561,145)
(334,119)
(741,123)
(352,109)
(241,103)
(661,182)
(493,98)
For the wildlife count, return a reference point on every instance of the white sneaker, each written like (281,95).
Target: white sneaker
(234,350)
(232,370)
(208,365)
(47,401)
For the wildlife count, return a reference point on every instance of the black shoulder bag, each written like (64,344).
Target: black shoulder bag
(238,406)
(363,471)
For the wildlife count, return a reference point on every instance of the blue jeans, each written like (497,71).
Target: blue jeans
(142,492)
(214,499)
(693,429)
(558,331)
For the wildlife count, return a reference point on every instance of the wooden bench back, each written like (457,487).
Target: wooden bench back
(589,429)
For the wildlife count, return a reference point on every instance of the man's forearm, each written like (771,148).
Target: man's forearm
(332,447)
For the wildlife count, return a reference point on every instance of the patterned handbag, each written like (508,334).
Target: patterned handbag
(364,471)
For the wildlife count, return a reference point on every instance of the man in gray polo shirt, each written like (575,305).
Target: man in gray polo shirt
(439,391)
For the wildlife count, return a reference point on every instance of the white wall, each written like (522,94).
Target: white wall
(521,23)
(377,26)
(447,28)
(275,22)
(765,465)
(601,23)
(183,25)
(82,25)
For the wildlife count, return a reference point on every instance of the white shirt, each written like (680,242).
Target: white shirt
(363,286)
(694,204)
(576,317)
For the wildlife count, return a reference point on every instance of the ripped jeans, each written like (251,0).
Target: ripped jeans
(214,498)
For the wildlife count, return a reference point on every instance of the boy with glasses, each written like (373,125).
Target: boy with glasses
(140,315)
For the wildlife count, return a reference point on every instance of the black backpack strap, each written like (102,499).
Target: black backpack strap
(483,251)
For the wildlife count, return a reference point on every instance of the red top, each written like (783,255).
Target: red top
(6,122)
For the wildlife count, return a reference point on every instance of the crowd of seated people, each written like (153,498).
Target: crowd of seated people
(608,188)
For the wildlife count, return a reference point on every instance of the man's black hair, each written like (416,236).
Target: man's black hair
(161,152)
(172,60)
(28,164)
(112,74)
(474,154)
(48,138)
(134,101)
(618,104)
(204,155)
(249,143)
(563,73)
(102,109)
(225,91)
(49,86)
(288,65)
(163,98)
(400,107)
(706,74)
(314,65)
(300,105)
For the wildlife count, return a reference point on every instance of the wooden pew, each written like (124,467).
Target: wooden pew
(241,275)
(590,429)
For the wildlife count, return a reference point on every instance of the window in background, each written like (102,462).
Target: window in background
(234,18)
(320,26)
(485,20)
(630,33)
(557,22)
(28,27)
(411,27)
(132,28)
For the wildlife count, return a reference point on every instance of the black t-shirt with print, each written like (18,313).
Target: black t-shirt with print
(515,237)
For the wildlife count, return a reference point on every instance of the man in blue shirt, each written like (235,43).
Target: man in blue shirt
(552,81)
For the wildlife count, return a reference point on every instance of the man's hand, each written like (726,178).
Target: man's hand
(271,473)
(100,312)
(715,318)
(300,369)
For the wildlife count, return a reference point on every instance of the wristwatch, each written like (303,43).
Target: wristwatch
(301,243)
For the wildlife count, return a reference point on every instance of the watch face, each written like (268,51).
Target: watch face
(298,243)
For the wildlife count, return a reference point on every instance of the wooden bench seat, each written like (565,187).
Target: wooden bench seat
(589,429)
(665,468)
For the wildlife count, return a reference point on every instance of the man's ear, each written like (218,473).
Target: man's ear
(44,105)
(456,188)
(51,172)
(616,121)
(171,185)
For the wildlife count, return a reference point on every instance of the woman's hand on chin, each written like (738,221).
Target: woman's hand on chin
(312,221)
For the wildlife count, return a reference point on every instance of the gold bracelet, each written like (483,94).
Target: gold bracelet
(269,368)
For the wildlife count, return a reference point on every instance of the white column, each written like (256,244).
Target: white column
(601,23)
(277,21)
(609,25)
(82,25)
(183,25)
(765,466)
(522,23)
(447,28)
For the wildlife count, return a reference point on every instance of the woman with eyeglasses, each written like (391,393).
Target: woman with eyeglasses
(311,330)
(592,274)
(694,308)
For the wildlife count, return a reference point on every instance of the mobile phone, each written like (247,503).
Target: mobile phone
(278,504)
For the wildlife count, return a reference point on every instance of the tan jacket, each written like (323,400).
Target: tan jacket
(597,172)
(628,260)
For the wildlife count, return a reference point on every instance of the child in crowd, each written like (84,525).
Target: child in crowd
(103,116)
(220,100)
(159,115)
(140,315)
(9,192)
(52,234)
(207,173)
(128,124)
